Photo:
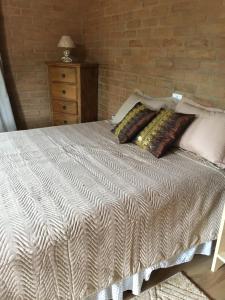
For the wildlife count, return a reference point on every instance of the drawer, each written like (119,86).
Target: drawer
(63,119)
(64,91)
(68,107)
(63,74)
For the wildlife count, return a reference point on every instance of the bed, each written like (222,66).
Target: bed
(78,212)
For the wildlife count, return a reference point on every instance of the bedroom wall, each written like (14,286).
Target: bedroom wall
(30,31)
(157,46)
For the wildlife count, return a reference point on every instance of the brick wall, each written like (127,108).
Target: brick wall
(157,46)
(30,30)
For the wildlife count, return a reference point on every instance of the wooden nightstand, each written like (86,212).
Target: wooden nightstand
(74,92)
(219,256)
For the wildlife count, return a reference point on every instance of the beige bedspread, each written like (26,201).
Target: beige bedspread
(79,212)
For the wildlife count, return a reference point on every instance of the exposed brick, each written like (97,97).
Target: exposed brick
(154,45)
(31,32)
(173,45)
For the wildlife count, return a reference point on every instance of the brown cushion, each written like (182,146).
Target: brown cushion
(163,131)
(134,121)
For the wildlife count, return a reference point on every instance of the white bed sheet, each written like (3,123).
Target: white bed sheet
(135,282)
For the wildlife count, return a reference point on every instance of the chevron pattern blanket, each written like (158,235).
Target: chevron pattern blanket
(79,212)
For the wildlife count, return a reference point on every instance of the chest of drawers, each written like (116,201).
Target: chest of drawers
(74,92)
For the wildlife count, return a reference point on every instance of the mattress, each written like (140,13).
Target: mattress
(79,212)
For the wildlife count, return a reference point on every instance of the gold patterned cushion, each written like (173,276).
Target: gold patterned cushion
(159,135)
(135,120)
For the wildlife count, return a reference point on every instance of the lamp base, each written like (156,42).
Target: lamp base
(66,58)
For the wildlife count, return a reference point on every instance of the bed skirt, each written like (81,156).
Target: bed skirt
(134,283)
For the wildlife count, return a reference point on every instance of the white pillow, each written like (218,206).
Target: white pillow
(150,102)
(206,106)
(205,136)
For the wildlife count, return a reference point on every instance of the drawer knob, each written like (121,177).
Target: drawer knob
(64,92)
(65,122)
(64,107)
(63,75)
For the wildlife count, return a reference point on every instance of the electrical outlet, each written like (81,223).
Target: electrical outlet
(177,96)
(112,119)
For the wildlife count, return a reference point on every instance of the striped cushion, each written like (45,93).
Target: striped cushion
(163,131)
(135,120)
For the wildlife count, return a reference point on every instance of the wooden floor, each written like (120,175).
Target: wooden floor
(213,284)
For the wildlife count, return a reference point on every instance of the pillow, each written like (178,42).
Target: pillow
(136,119)
(222,165)
(207,106)
(163,131)
(138,96)
(205,136)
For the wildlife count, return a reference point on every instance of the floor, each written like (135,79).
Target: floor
(213,284)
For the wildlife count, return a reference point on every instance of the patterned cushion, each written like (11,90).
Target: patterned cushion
(135,120)
(163,131)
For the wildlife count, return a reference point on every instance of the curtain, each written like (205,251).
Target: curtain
(7,121)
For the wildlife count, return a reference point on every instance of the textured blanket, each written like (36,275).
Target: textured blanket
(79,212)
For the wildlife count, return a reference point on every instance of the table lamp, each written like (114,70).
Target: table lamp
(67,43)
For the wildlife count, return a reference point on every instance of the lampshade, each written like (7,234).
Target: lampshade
(66,42)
